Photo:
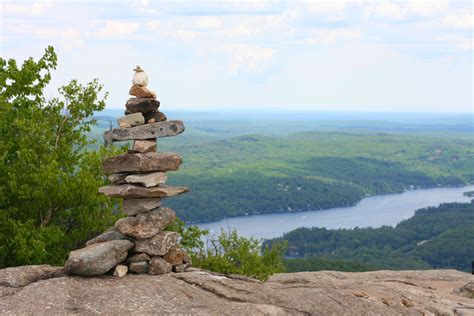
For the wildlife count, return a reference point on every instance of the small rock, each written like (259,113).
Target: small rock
(118,178)
(134,206)
(131,120)
(141,92)
(142,105)
(152,120)
(98,258)
(159,266)
(109,235)
(139,77)
(139,266)
(181,267)
(148,179)
(139,257)
(175,256)
(120,271)
(158,245)
(144,146)
(146,131)
(146,225)
(157,115)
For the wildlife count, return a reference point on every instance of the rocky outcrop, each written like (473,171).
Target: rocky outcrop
(199,292)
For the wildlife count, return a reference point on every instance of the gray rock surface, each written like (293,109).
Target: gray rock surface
(111,234)
(147,179)
(157,116)
(200,292)
(159,266)
(158,245)
(131,120)
(147,131)
(135,206)
(146,225)
(128,191)
(142,105)
(139,257)
(138,162)
(98,258)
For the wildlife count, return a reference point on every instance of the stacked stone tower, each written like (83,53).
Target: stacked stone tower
(137,243)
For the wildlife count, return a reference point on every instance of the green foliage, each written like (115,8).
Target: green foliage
(435,237)
(48,194)
(230,254)
(255,174)
(326,264)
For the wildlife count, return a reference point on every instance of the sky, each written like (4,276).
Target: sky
(382,56)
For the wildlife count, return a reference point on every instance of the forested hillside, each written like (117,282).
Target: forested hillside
(435,237)
(233,175)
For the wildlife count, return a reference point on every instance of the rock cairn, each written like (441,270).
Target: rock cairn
(137,243)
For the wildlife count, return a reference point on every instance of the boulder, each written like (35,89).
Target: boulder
(98,258)
(118,178)
(135,191)
(141,92)
(157,116)
(16,277)
(138,162)
(158,245)
(120,271)
(159,266)
(134,206)
(142,105)
(147,179)
(144,146)
(139,266)
(147,131)
(131,120)
(146,225)
(176,256)
(109,235)
(139,257)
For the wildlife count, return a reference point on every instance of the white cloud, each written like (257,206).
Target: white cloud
(248,58)
(463,20)
(210,22)
(329,36)
(117,29)
(400,10)
(37,8)
(460,43)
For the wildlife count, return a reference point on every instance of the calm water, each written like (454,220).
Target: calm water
(373,211)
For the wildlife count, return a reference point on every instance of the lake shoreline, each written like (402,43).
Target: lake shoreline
(330,208)
(374,211)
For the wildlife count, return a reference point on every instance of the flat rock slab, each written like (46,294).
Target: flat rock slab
(146,225)
(197,292)
(134,206)
(158,245)
(142,105)
(147,179)
(135,191)
(98,258)
(155,117)
(141,92)
(131,120)
(137,162)
(147,131)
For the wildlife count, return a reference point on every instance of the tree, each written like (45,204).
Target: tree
(49,203)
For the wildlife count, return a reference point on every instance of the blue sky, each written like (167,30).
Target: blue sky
(396,56)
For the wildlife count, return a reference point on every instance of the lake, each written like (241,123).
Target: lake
(374,211)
